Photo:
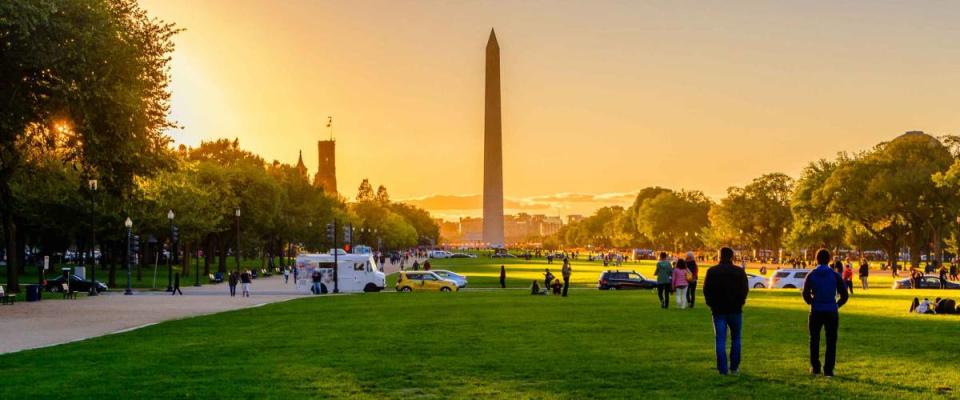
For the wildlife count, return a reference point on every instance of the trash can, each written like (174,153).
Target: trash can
(33,292)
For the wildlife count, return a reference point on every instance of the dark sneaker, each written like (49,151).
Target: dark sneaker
(828,374)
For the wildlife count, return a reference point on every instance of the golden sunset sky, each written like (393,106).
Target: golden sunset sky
(600,98)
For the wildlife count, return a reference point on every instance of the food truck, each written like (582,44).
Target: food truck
(355,273)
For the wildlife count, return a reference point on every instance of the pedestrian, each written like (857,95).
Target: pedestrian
(943,276)
(503,277)
(680,282)
(725,291)
(848,278)
(245,279)
(286,275)
(820,291)
(664,274)
(864,273)
(315,279)
(953,270)
(566,271)
(694,275)
(232,281)
(176,285)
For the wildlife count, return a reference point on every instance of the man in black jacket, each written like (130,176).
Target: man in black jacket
(725,292)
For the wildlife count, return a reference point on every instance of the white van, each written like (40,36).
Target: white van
(356,273)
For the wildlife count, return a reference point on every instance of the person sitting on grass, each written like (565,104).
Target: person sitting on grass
(557,286)
(924,307)
(914,305)
(535,289)
(946,306)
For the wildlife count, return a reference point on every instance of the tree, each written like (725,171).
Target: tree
(95,68)
(674,220)
(813,225)
(756,215)
(365,192)
(382,195)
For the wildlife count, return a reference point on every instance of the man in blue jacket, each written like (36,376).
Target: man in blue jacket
(820,291)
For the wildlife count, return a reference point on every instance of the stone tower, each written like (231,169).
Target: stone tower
(492,149)
(326,177)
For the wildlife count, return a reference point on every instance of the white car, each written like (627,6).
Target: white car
(788,278)
(756,281)
(439,254)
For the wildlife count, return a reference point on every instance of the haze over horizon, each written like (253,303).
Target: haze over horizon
(599,99)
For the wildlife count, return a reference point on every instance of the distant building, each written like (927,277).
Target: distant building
(471,229)
(449,231)
(574,218)
(326,177)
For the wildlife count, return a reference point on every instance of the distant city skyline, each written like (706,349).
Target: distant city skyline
(599,98)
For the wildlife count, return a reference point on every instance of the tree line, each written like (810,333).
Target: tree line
(899,196)
(85,91)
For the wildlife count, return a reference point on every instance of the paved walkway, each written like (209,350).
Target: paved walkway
(45,323)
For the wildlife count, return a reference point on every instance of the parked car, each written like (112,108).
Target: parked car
(76,284)
(504,255)
(927,282)
(618,280)
(463,255)
(460,280)
(756,281)
(439,254)
(424,281)
(791,278)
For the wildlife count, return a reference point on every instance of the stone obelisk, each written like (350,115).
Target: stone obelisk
(492,150)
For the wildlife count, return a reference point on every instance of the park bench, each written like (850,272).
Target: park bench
(7,298)
(68,292)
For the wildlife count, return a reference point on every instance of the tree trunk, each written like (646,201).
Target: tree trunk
(207,255)
(222,255)
(112,277)
(9,237)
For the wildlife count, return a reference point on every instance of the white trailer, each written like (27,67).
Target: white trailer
(355,273)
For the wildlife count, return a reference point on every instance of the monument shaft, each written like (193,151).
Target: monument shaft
(492,150)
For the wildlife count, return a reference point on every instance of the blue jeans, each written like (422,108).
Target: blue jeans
(720,324)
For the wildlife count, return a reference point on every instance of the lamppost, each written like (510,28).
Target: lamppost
(170,216)
(129,224)
(236,212)
(92,185)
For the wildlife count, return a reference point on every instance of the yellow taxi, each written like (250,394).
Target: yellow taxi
(424,281)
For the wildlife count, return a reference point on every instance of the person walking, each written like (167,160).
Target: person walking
(232,281)
(503,277)
(694,274)
(820,291)
(848,278)
(176,285)
(245,280)
(725,292)
(566,271)
(864,273)
(680,282)
(664,274)
(286,275)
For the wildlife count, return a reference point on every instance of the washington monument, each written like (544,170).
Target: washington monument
(492,150)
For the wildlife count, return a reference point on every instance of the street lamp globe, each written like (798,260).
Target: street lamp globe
(92,184)
(170,215)
(236,211)
(128,223)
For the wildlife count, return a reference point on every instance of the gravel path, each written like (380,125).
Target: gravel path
(45,323)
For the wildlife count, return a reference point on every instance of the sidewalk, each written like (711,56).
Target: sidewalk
(45,323)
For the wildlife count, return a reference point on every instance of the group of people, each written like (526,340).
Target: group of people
(244,278)
(550,281)
(726,290)
(938,306)
(679,278)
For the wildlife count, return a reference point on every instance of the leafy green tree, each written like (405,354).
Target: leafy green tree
(99,67)
(674,220)
(756,215)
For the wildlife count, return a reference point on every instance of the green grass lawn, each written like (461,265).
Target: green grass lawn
(500,344)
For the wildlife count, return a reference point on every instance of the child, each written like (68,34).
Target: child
(680,282)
